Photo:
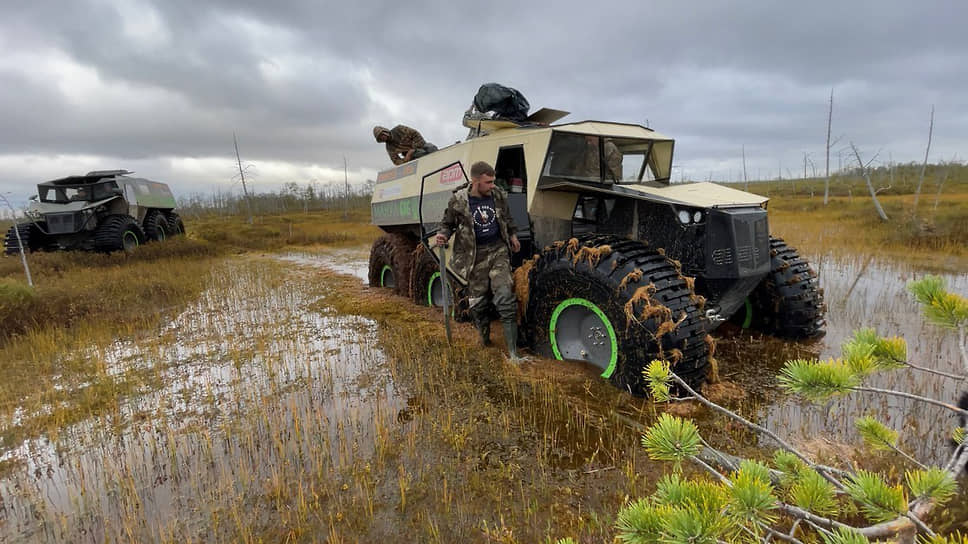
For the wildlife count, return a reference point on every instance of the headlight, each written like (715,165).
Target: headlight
(683,217)
(697,217)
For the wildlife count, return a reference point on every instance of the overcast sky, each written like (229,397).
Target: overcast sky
(159,86)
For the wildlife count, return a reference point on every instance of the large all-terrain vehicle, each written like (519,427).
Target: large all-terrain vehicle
(618,266)
(106,210)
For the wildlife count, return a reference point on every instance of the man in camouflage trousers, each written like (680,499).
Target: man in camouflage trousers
(403,143)
(481,221)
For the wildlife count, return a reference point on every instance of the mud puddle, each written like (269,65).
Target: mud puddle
(250,377)
(351,262)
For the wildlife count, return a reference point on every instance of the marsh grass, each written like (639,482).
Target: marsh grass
(274,232)
(71,287)
(851,227)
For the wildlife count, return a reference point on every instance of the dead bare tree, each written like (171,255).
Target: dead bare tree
(830,117)
(867,177)
(346,183)
(245,190)
(917,193)
(745,181)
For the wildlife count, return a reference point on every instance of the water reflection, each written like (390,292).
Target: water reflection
(251,381)
(865,293)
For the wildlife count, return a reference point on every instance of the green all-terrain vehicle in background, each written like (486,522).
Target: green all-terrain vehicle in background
(618,266)
(105,210)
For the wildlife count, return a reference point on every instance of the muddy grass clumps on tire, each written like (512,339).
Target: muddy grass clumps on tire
(617,304)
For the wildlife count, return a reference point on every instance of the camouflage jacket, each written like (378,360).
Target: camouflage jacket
(457,220)
(403,139)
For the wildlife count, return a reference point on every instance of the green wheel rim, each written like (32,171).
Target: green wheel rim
(430,294)
(585,305)
(129,240)
(383,275)
(749,314)
(430,288)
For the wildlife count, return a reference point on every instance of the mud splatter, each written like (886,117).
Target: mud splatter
(591,255)
(713,375)
(572,246)
(651,308)
(522,284)
(632,277)
(690,282)
(669,325)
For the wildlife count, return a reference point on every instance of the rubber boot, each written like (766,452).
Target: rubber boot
(511,338)
(482,321)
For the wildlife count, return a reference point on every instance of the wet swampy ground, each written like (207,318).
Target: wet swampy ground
(293,402)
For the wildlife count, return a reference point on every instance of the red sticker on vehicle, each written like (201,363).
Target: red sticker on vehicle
(451,175)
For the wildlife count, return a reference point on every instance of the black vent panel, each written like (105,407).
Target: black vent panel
(738,243)
(63,223)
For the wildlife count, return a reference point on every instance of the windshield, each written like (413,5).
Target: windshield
(599,159)
(63,194)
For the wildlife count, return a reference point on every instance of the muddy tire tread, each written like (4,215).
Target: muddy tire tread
(396,250)
(788,303)
(156,226)
(108,236)
(628,256)
(176,227)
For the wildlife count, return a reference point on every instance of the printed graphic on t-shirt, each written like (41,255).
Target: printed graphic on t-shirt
(485,219)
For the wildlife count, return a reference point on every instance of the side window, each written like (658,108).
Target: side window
(129,193)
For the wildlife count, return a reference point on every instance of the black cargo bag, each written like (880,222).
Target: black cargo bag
(506,102)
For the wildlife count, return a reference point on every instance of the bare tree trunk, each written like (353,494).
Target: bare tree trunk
(917,193)
(870,186)
(746,181)
(346,195)
(830,117)
(245,189)
(890,161)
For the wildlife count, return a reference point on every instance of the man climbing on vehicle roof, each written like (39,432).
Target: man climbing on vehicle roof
(403,143)
(485,231)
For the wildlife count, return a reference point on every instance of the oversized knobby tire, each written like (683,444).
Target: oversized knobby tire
(32,238)
(391,259)
(118,233)
(788,303)
(176,227)
(155,226)
(616,307)
(426,288)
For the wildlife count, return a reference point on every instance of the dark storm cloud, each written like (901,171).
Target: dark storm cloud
(302,82)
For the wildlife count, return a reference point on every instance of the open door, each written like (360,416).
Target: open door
(430,213)
(512,177)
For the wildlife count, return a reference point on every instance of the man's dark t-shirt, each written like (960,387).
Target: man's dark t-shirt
(486,229)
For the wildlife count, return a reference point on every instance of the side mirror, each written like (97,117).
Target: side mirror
(33,197)
(117,191)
